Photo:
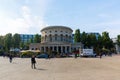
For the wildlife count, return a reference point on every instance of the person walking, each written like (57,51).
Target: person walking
(10,58)
(75,55)
(33,62)
(101,54)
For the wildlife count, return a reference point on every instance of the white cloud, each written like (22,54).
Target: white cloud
(113,27)
(28,22)
(113,32)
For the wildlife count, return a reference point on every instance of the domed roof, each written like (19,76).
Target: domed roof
(53,27)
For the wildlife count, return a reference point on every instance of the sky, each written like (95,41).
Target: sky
(30,16)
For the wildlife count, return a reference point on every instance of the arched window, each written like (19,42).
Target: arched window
(61,37)
(55,37)
(50,37)
(70,39)
(66,36)
(45,37)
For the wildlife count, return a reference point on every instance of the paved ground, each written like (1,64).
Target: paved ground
(107,68)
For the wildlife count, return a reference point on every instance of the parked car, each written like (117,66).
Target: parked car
(43,55)
(71,55)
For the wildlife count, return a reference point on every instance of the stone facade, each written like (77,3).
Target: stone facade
(56,38)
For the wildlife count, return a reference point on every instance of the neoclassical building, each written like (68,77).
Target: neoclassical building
(56,38)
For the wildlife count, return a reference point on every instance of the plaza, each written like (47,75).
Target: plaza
(107,68)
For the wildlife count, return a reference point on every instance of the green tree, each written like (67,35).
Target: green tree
(22,45)
(99,42)
(107,42)
(1,45)
(118,40)
(37,38)
(8,42)
(84,39)
(31,40)
(91,40)
(26,45)
(16,40)
(77,36)
(2,41)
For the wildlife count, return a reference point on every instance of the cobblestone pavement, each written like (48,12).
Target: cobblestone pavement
(107,68)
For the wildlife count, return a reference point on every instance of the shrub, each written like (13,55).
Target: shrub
(1,52)
(27,54)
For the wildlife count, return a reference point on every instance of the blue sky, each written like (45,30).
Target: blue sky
(30,16)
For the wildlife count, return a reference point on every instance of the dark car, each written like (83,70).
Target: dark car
(43,55)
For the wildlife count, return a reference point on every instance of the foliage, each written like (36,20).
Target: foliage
(118,40)
(16,40)
(107,42)
(77,36)
(2,41)
(97,43)
(8,41)
(1,52)
(37,38)
(26,45)
(91,40)
(84,39)
(22,45)
(27,54)
(31,40)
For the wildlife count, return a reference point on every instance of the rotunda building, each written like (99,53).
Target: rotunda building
(56,38)
(56,34)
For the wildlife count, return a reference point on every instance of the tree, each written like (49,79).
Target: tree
(1,45)
(77,36)
(118,40)
(16,40)
(26,45)
(2,41)
(91,40)
(107,42)
(37,38)
(98,46)
(84,39)
(22,45)
(31,40)
(8,42)
(99,42)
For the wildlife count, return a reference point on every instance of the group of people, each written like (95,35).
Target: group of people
(33,61)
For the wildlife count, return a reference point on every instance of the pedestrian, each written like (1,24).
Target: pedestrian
(10,58)
(75,55)
(33,62)
(101,55)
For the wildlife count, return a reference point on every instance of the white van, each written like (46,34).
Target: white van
(87,53)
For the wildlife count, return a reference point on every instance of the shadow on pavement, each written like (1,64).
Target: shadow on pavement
(40,69)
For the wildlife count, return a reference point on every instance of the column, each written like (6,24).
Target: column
(52,48)
(57,48)
(65,49)
(40,49)
(61,49)
(70,49)
(44,49)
